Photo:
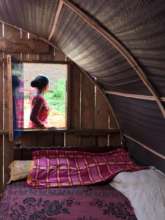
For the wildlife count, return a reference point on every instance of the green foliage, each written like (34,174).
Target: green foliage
(56,97)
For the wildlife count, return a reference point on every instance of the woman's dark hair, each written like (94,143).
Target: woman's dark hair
(40,82)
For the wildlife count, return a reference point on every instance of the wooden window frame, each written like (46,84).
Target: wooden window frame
(67,101)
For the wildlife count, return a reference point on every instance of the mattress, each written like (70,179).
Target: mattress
(94,202)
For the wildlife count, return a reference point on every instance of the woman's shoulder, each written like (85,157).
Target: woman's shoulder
(38,98)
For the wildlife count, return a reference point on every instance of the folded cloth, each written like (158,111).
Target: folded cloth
(145,190)
(55,168)
(19,169)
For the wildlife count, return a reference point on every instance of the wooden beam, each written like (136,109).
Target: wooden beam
(119,47)
(68,131)
(57,15)
(94,132)
(145,147)
(23,46)
(134,96)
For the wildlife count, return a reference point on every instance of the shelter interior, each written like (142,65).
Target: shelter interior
(114,53)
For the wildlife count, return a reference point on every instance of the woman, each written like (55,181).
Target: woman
(40,110)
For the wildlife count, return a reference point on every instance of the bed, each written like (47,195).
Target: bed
(97,202)
(93,201)
(139,194)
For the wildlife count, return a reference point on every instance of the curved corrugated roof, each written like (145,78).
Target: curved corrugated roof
(122,44)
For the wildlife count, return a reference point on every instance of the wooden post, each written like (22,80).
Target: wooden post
(9,96)
(68,97)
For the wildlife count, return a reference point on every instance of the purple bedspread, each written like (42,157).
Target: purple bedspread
(97,202)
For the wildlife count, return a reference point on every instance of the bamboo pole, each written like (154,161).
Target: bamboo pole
(145,147)
(134,96)
(56,18)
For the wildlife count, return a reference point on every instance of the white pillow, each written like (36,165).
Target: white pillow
(146,191)
(19,169)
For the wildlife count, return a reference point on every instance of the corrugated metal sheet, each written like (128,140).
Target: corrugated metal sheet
(141,120)
(94,54)
(139,25)
(143,156)
(36,16)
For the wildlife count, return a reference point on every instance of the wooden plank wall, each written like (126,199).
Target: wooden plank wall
(27,47)
(89,110)
(74,109)
(102,115)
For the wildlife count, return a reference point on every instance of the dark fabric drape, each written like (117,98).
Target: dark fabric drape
(18,98)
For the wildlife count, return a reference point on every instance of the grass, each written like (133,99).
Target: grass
(56,97)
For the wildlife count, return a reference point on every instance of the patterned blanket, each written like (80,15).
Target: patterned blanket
(56,168)
(97,202)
